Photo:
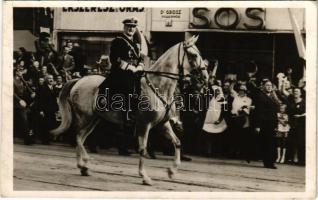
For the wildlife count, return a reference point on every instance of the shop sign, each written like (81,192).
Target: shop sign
(107,9)
(244,18)
(170,19)
(97,18)
(170,13)
(228,18)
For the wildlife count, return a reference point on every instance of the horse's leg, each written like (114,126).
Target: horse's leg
(143,131)
(79,151)
(167,129)
(90,129)
(82,156)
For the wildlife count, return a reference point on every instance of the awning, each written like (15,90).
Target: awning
(23,38)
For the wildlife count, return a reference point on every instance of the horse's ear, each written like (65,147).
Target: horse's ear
(192,40)
(195,39)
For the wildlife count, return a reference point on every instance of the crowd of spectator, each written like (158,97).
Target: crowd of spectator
(261,118)
(257,118)
(38,79)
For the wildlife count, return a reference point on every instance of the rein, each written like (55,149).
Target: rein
(175,76)
(170,75)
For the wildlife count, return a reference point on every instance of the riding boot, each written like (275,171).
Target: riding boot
(123,136)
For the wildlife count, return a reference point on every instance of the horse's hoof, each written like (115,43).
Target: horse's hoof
(84,171)
(171,173)
(147,182)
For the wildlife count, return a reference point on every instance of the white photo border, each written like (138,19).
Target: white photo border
(6,140)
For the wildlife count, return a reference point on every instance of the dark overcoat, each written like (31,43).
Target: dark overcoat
(122,81)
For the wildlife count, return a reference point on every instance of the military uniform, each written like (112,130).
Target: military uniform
(124,52)
(125,58)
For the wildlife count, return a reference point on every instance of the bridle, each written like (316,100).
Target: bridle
(180,64)
(180,77)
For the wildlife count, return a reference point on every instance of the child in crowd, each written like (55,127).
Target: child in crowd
(282,133)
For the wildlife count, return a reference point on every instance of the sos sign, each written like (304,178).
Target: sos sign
(228,18)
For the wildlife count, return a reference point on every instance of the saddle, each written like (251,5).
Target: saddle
(122,118)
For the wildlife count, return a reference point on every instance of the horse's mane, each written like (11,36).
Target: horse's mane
(163,58)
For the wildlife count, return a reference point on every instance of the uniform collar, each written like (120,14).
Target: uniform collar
(128,37)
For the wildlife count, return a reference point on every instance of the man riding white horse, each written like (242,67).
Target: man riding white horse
(78,102)
(126,61)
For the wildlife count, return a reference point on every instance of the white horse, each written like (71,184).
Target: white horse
(77,103)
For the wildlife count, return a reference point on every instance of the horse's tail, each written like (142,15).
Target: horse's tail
(65,108)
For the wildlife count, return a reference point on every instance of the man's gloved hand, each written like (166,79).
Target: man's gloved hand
(131,68)
(140,67)
(134,69)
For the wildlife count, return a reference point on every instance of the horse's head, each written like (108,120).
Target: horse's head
(193,61)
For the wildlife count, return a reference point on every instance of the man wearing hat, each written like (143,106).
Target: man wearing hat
(43,48)
(265,121)
(126,62)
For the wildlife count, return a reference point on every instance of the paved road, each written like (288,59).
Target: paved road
(53,167)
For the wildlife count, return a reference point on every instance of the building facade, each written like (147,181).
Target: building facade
(234,36)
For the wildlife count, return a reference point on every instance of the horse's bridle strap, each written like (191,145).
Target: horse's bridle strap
(175,76)
(170,75)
